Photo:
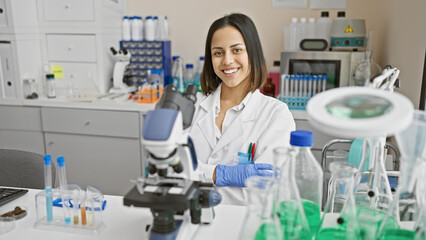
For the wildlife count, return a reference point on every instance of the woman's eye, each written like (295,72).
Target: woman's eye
(237,50)
(217,53)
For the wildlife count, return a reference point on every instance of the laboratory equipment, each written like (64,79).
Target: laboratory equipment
(339,67)
(368,113)
(189,75)
(199,70)
(340,220)
(269,88)
(30,88)
(9,194)
(173,185)
(308,175)
(261,223)
(347,34)
(50,85)
(289,208)
(48,186)
(126,29)
(65,194)
(86,207)
(149,29)
(408,201)
(368,68)
(122,61)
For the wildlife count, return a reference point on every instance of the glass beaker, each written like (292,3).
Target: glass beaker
(340,220)
(367,69)
(261,222)
(289,207)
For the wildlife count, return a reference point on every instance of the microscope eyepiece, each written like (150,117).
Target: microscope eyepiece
(191,93)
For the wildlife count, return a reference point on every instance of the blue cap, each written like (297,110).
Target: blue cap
(155,17)
(175,57)
(214,198)
(47,160)
(189,65)
(302,138)
(125,17)
(148,17)
(202,58)
(61,161)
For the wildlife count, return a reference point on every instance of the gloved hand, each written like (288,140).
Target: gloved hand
(237,175)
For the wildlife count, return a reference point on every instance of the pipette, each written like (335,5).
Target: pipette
(48,186)
(64,189)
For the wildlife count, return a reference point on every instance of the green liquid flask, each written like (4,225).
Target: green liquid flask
(261,223)
(309,177)
(289,207)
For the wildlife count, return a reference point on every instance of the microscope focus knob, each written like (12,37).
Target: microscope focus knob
(178,168)
(151,168)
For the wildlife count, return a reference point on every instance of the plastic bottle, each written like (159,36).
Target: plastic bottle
(161,32)
(269,88)
(310,29)
(293,34)
(125,29)
(50,86)
(274,73)
(149,29)
(136,28)
(323,27)
(309,177)
(301,32)
(189,75)
(166,26)
(198,72)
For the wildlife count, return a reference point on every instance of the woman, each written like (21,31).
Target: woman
(232,113)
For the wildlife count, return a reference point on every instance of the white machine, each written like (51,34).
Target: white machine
(173,188)
(122,60)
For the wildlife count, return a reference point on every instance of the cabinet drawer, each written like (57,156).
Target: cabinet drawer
(3,14)
(91,122)
(69,10)
(73,48)
(77,74)
(20,118)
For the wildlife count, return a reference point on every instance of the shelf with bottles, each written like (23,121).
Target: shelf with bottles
(146,55)
(81,213)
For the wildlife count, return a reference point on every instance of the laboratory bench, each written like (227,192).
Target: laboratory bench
(121,222)
(100,140)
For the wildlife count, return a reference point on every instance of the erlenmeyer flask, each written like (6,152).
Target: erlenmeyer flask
(420,226)
(367,69)
(373,195)
(261,222)
(288,205)
(339,220)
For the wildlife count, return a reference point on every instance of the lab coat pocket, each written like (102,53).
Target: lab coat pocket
(242,159)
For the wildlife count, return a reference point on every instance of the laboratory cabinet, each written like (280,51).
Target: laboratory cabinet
(20,129)
(101,148)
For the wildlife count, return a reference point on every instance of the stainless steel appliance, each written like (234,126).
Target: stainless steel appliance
(338,66)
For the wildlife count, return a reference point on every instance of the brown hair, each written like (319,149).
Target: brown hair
(209,80)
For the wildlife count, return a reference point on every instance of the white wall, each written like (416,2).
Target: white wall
(400,36)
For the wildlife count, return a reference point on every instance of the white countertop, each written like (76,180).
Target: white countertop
(121,222)
(127,105)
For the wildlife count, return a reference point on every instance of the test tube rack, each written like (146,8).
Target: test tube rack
(147,55)
(85,218)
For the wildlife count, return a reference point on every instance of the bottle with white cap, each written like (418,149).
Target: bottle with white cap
(293,34)
(310,30)
(323,27)
(125,29)
(301,32)
(149,29)
(136,28)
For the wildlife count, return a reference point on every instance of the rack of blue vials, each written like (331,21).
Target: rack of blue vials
(297,89)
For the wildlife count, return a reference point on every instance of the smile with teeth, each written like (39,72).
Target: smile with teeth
(230,71)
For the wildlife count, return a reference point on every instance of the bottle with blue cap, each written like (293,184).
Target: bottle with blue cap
(309,177)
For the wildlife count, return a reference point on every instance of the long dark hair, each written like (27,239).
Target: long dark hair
(209,80)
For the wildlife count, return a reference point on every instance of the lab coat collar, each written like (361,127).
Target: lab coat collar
(206,122)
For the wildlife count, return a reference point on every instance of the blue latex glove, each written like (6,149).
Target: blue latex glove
(237,175)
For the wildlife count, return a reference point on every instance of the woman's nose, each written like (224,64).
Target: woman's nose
(228,59)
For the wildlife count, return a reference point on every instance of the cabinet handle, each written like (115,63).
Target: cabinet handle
(51,143)
(71,75)
(67,6)
(87,123)
(70,47)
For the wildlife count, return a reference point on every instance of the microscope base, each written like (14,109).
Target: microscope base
(122,89)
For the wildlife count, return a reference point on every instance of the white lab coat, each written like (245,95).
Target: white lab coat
(265,121)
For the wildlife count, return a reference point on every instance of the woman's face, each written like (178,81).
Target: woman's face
(229,57)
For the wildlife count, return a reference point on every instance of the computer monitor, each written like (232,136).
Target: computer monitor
(423,90)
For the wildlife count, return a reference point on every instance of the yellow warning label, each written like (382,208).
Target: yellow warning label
(349,29)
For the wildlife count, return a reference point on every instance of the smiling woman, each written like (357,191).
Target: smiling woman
(232,115)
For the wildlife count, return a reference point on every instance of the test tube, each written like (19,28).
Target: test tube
(320,81)
(315,80)
(301,90)
(83,210)
(48,186)
(64,189)
(286,82)
(89,200)
(309,80)
(324,82)
(75,196)
(305,86)
(158,89)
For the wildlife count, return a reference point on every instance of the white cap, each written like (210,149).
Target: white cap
(294,20)
(303,20)
(311,20)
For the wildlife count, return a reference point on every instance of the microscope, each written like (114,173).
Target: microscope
(178,199)
(122,61)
